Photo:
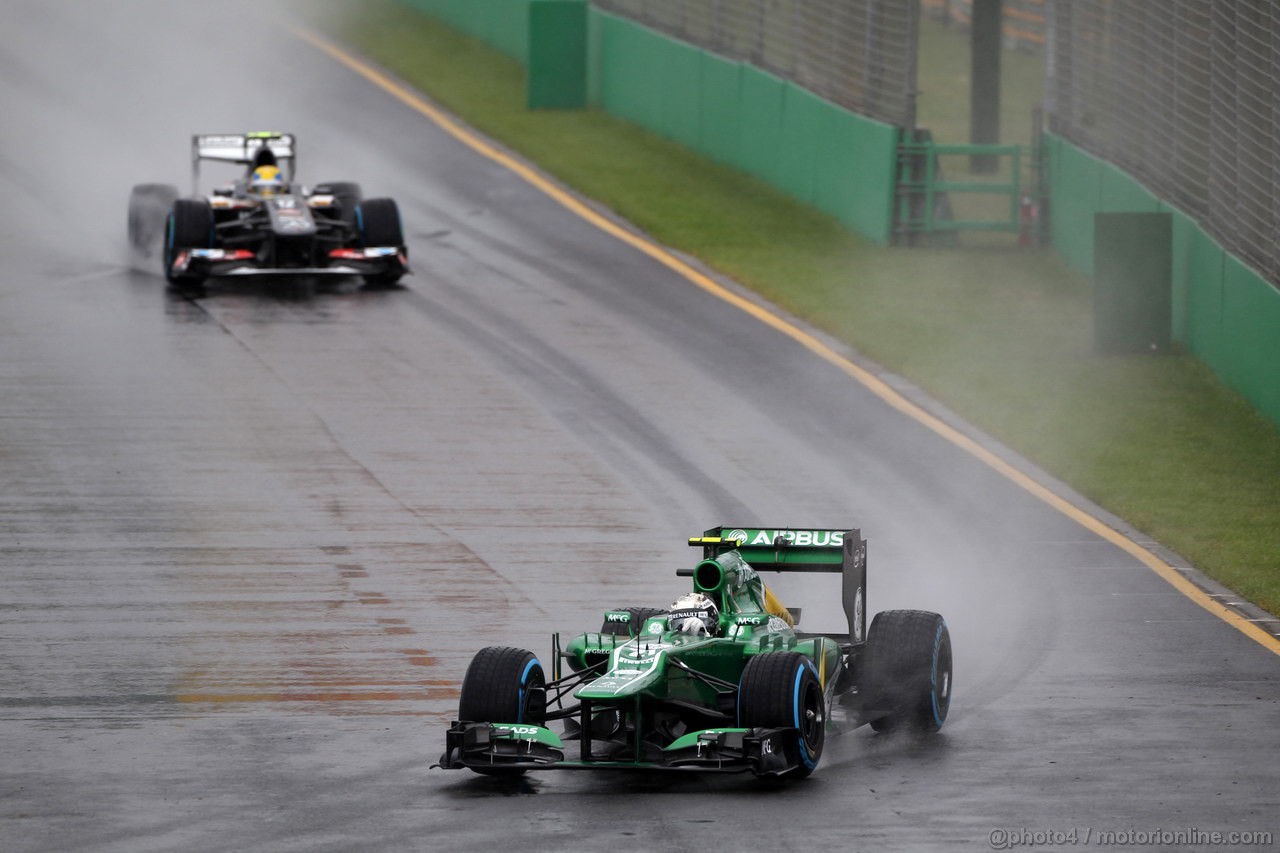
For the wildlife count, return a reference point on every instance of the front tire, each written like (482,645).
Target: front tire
(909,670)
(189,226)
(378,224)
(503,685)
(781,690)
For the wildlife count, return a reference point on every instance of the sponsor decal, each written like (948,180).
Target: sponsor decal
(638,656)
(655,628)
(857,617)
(630,661)
(798,538)
(691,620)
(685,614)
(739,536)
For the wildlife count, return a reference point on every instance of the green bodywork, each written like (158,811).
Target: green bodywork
(648,664)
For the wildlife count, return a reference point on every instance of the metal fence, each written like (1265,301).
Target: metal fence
(860,54)
(1182,94)
(1023,20)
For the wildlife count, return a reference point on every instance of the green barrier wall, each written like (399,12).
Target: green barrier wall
(841,162)
(681,93)
(1251,314)
(720,119)
(802,123)
(504,24)
(760,100)
(1205,260)
(623,92)
(1071,226)
(1223,311)
(856,178)
(1183,232)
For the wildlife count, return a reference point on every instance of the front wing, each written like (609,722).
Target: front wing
(511,746)
(229,263)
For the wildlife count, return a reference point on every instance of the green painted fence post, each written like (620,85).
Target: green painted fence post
(557,54)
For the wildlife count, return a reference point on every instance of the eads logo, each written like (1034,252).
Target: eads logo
(802,538)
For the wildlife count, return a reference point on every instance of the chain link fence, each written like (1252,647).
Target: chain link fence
(1023,20)
(1182,94)
(860,54)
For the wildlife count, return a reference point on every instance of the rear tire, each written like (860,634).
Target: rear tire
(378,224)
(909,670)
(781,690)
(346,195)
(639,615)
(189,226)
(503,685)
(148,206)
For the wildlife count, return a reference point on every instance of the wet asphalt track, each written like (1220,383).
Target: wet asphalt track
(248,543)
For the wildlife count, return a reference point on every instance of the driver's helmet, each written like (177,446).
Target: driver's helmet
(694,613)
(266,182)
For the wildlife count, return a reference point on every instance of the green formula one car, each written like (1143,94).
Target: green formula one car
(722,681)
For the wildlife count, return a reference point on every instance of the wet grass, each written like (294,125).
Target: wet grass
(1002,336)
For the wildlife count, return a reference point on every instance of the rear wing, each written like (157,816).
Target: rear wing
(784,549)
(242,148)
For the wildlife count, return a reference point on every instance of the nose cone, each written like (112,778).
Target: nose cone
(290,217)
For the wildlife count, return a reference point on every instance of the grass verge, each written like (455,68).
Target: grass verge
(1003,337)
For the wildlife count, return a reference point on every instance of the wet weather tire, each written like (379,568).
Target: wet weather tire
(189,226)
(346,195)
(378,224)
(639,615)
(909,670)
(503,685)
(781,690)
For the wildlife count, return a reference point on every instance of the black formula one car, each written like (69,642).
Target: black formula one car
(723,681)
(263,224)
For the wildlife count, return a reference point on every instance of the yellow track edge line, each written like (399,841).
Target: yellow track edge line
(872,382)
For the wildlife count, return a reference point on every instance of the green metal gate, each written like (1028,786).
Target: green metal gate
(929,203)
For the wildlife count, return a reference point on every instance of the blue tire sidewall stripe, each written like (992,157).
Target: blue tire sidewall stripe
(933,674)
(168,243)
(524,679)
(805,754)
